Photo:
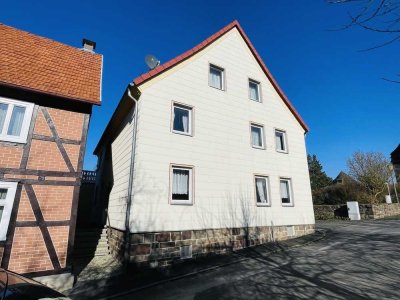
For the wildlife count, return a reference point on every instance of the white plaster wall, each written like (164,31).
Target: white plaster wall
(220,149)
(121,149)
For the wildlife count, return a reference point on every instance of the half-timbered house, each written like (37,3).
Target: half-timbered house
(47,90)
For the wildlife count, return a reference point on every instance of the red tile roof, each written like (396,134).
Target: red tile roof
(173,62)
(32,62)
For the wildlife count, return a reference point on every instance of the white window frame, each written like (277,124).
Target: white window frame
(262,136)
(190,201)
(183,107)
(8,205)
(25,124)
(268,203)
(258,90)
(284,141)
(222,70)
(289,180)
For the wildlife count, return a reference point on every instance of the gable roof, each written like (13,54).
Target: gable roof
(175,61)
(344,178)
(39,64)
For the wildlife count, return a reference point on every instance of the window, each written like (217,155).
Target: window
(15,118)
(7,194)
(257,136)
(286,194)
(280,140)
(216,77)
(182,119)
(182,182)
(254,90)
(262,190)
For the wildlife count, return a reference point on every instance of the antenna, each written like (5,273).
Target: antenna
(151,61)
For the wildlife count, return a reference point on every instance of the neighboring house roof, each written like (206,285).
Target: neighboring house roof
(38,64)
(343,178)
(395,155)
(175,61)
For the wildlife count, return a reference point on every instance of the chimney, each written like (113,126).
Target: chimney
(88,45)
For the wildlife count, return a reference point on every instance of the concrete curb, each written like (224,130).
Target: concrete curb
(322,233)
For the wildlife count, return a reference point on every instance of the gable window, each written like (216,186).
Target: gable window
(7,195)
(262,190)
(181,185)
(15,118)
(257,136)
(216,77)
(254,90)
(280,141)
(182,119)
(286,192)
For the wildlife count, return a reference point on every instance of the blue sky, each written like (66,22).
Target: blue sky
(337,89)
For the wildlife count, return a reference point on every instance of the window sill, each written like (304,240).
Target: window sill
(13,140)
(263,205)
(182,133)
(181,202)
(287,204)
(282,151)
(254,100)
(217,88)
(257,147)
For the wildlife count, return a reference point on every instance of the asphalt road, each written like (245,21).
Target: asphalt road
(354,261)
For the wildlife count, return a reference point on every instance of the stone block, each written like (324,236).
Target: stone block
(167,245)
(200,234)
(140,249)
(148,238)
(186,235)
(163,237)
(176,236)
(137,238)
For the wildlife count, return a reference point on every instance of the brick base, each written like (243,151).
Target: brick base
(152,249)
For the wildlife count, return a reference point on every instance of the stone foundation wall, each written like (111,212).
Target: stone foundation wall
(367,211)
(384,210)
(158,249)
(329,212)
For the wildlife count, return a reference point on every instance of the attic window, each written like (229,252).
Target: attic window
(216,77)
(254,90)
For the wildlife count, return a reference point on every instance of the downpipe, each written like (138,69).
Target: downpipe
(130,182)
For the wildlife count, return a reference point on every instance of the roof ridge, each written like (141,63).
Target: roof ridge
(173,62)
(47,38)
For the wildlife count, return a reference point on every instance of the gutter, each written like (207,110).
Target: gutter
(130,182)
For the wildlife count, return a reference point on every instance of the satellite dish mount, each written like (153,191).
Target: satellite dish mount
(151,61)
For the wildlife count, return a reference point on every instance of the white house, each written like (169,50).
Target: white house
(204,153)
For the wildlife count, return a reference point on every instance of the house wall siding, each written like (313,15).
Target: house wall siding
(121,149)
(220,151)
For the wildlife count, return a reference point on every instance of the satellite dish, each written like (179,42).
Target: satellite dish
(151,61)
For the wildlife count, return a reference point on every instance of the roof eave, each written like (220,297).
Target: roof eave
(90,101)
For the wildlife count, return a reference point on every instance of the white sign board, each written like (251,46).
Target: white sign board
(354,211)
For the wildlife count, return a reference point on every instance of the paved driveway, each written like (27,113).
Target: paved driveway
(355,261)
